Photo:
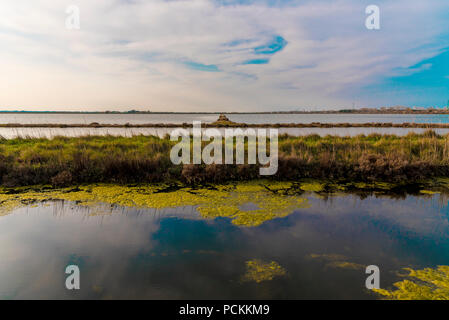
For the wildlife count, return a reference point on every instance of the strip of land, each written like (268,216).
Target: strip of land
(65,161)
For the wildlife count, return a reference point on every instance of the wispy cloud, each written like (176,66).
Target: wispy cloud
(209,55)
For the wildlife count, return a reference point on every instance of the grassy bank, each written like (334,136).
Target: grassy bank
(65,161)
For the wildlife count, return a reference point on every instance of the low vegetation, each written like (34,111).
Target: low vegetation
(64,161)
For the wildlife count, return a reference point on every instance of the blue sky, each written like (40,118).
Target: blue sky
(427,84)
(233,55)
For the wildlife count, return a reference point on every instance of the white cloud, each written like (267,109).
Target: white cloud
(131,53)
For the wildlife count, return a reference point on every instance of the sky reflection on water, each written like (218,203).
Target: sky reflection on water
(128,253)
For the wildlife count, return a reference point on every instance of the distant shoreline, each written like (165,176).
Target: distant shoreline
(344,111)
(233,125)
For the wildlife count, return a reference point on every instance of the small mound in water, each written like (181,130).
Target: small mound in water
(224,121)
(222,117)
(425,284)
(258,271)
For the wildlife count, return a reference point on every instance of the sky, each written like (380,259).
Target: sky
(222,55)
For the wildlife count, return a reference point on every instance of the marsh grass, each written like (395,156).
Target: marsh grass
(70,160)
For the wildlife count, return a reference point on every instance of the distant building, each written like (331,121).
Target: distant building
(399,108)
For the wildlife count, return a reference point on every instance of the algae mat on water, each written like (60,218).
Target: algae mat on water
(425,284)
(268,200)
(259,271)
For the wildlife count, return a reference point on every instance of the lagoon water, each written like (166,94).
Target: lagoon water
(38,118)
(130,253)
(41,118)
(10,133)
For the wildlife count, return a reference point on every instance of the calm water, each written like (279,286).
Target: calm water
(206,118)
(174,253)
(10,133)
(189,118)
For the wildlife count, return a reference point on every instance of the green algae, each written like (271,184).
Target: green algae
(428,192)
(259,271)
(336,261)
(314,186)
(270,198)
(375,185)
(378,188)
(335,187)
(345,265)
(270,204)
(425,284)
